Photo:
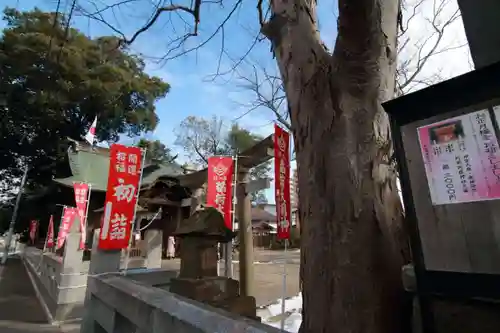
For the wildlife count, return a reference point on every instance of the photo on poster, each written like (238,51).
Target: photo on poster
(447,132)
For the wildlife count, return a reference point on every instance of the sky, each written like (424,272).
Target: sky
(196,91)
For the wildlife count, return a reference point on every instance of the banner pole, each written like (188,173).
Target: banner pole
(218,259)
(228,253)
(283,296)
(287,222)
(127,253)
(86,215)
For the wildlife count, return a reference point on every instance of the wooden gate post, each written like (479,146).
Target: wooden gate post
(244,211)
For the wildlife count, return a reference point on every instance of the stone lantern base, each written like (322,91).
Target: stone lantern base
(219,291)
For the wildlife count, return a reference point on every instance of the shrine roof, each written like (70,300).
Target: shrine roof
(261,215)
(252,157)
(91,164)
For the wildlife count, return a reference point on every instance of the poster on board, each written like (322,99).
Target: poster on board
(462,159)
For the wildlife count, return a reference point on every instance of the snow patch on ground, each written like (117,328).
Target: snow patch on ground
(272,315)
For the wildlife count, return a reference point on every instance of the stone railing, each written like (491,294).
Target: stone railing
(61,282)
(133,304)
(15,245)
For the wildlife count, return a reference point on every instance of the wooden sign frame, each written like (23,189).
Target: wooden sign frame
(476,90)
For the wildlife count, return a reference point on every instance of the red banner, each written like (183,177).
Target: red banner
(68,217)
(49,241)
(282,181)
(82,194)
(220,186)
(33,230)
(121,197)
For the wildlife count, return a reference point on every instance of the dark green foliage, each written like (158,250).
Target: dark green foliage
(156,151)
(52,86)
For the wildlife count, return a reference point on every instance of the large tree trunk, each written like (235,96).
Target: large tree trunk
(352,241)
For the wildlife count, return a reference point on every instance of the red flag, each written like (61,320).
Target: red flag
(49,242)
(82,194)
(33,230)
(282,181)
(68,217)
(220,185)
(121,197)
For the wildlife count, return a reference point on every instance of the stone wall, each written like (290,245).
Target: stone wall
(128,305)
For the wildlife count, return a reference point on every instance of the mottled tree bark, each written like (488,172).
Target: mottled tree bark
(352,244)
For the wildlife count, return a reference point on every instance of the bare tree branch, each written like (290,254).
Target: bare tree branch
(269,93)
(409,70)
(175,47)
(410,66)
(268,89)
(195,11)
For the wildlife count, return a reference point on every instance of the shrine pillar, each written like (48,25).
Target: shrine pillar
(153,240)
(244,211)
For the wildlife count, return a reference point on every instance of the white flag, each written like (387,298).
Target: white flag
(91,133)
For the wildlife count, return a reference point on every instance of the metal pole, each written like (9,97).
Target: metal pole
(218,259)
(228,253)
(14,217)
(86,217)
(283,297)
(127,254)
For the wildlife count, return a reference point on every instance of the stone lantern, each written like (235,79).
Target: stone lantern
(198,278)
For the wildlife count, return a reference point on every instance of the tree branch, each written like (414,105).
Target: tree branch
(409,69)
(197,150)
(356,30)
(175,44)
(195,11)
(274,100)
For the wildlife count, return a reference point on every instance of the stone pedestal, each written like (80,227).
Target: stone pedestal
(198,258)
(218,291)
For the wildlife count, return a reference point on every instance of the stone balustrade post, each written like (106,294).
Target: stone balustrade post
(72,256)
(101,262)
(153,239)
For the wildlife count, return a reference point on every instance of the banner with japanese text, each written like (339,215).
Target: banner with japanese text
(82,194)
(282,181)
(49,242)
(124,177)
(220,186)
(461,158)
(33,230)
(68,217)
